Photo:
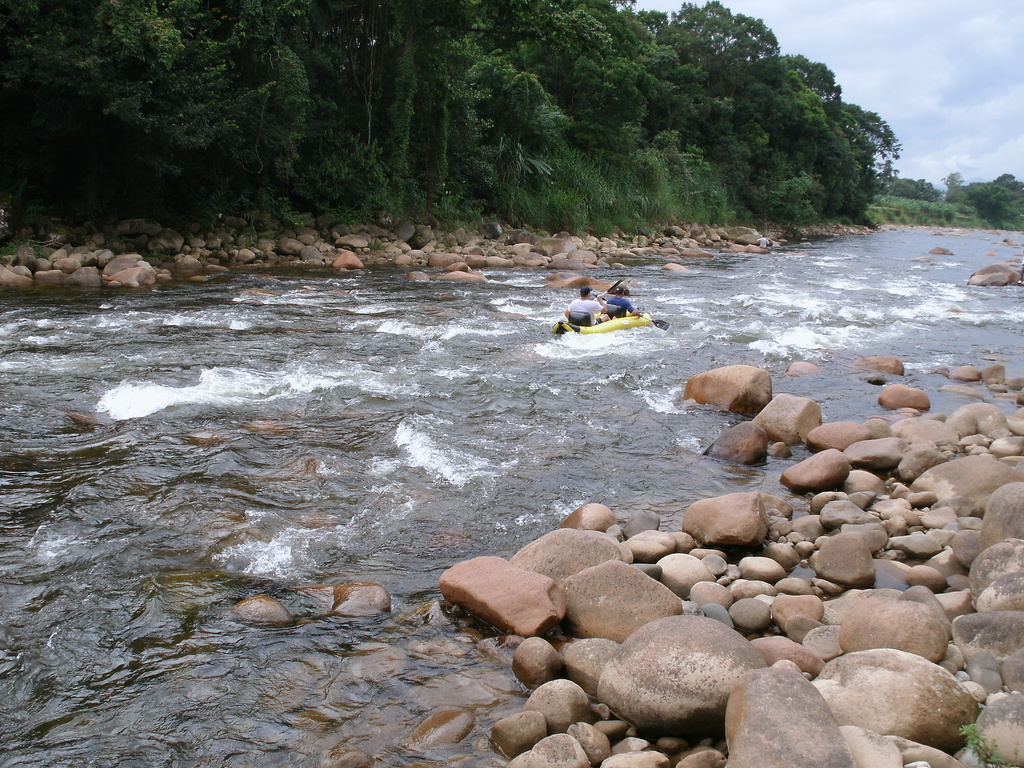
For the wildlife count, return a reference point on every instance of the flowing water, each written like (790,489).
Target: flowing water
(165,454)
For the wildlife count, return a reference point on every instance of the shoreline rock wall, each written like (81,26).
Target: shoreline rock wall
(79,257)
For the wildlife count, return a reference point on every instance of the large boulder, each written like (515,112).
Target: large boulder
(995,275)
(1004,515)
(896,693)
(825,471)
(974,478)
(1001,724)
(903,624)
(736,519)
(738,388)
(566,551)
(993,562)
(674,676)
(777,719)
(976,419)
(510,598)
(788,418)
(613,599)
(999,633)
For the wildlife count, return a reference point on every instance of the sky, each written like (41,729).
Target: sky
(946,75)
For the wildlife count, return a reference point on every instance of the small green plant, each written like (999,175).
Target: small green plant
(986,752)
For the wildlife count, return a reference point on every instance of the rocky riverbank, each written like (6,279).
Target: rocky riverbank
(141,253)
(863,621)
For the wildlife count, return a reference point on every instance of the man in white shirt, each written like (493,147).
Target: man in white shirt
(585,309)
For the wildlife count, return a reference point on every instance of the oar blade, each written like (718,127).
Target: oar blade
(659,324)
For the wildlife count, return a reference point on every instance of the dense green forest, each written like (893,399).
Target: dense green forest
(998,203)
(561,114)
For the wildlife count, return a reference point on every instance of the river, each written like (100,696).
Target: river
(165,454)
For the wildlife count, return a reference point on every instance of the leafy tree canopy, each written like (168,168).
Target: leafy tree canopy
(576,112)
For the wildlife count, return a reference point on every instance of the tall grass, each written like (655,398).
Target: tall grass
(586,193)
(887,209)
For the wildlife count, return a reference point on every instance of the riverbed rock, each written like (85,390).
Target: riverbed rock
(745,443)
(938,432)
(870,749)
(591,517)
(519,732)
(995,275)
(440,729)
(674,676)
(919,457)
(140,276)
(1004,515)
(785,607)
(585,658)
(679,572)
(974,478)
(789,418)
(775,648)
(903,624)
(897,396)
(735,519)
(845,559)
(877,454)
(556,751)
(777,719)
(613,599)
(1001,724)
(825,471)
(84,277)
(1006,593)
(346,260)
(262,609)
(991,563)
(563,552)
(741,389)
(977,419)
(838,435)
(892,692)
(512,599)
(536,662)
(11,278)
(882,364)
(999,633)
(562,703)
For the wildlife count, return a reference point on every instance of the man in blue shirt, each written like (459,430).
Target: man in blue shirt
(618,305)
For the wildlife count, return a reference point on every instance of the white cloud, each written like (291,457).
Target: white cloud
(945,74)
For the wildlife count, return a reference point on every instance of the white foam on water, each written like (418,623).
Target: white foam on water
(479,330)
(798,339)
(663,402)
(442,460)
(402,328)
(288,553)
(232,387)
(50,546)
(580,346)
